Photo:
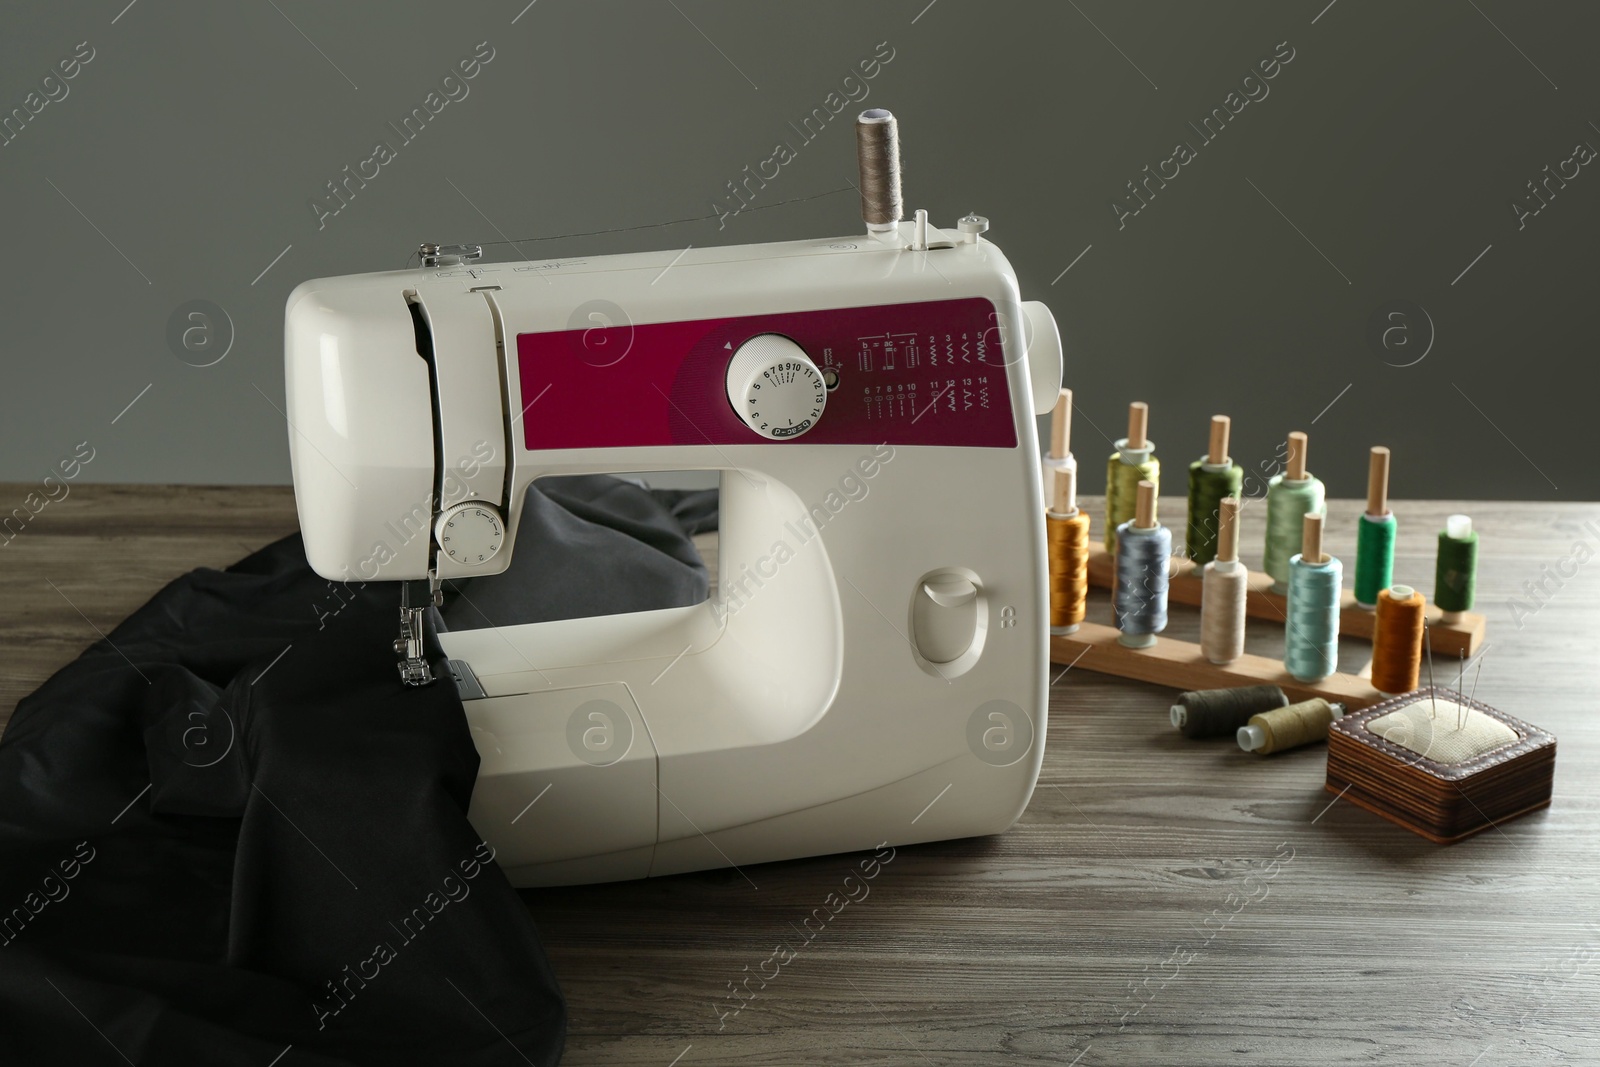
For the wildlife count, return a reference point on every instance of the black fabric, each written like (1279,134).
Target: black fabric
(228,836)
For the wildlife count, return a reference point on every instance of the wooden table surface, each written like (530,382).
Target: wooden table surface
(1160,902)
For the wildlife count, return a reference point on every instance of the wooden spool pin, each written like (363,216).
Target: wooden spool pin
(1144,508)
(1228,530)
(1138,423)
(1378,483)
(1297,457)
(1218,456)
(1061,426)
(1311,540)
(1064,491)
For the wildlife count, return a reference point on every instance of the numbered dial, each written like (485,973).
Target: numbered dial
(775,388)
(470,534)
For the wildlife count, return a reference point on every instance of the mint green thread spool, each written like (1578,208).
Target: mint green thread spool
(1311,618)
(1375,535)
(1456,575)
(1291,496)
(1133,462)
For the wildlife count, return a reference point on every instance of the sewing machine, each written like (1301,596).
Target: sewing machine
(872,667)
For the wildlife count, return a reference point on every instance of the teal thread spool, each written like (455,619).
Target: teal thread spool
(1455,578)
(1212,478)
(1375,534)
(1133,462)
(1291,496)
(1311,638)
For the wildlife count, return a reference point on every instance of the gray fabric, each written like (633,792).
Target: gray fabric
(591,545)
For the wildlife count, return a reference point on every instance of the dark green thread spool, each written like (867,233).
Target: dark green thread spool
(1375,534)
(1209,485)
(1455,579)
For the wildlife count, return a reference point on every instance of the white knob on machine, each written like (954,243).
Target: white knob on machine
(775,388)
(470,533)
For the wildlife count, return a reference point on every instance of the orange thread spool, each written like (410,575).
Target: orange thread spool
(1067,541)
(1397,640)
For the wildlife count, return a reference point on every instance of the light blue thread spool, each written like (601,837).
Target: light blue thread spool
(1140,603)
(1311,640)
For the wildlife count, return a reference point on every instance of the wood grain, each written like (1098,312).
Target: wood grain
(1134,915)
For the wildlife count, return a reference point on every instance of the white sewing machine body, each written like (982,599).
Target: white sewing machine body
(873,664)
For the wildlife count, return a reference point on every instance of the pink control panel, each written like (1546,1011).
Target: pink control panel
(908,374)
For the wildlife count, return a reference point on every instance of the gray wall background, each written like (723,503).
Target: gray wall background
(1382,165)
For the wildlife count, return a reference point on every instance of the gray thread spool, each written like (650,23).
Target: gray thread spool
(1204,713)
(878,156)
(1141,600)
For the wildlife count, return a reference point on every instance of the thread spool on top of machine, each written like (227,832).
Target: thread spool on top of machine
(878,158)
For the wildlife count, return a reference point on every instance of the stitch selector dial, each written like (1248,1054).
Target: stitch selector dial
(775,388)
(470,533)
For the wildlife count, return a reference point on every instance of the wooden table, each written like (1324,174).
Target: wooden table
(1160,902)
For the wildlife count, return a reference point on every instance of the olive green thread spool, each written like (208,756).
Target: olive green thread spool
(1293,726)
(1291,496)
(1375,535)
(1212,478)
(1455,578)
(1134,461)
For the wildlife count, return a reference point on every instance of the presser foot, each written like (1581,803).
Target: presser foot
(414,668)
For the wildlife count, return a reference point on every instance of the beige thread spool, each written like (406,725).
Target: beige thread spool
(878,159)
(1224,583)
(1288,727)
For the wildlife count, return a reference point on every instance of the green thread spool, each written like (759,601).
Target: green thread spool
(1288,503)
(1133,462)
(1209,485)
(1374,558)
(1291,496)
(1212,479)
(1455,580)
(1375,535)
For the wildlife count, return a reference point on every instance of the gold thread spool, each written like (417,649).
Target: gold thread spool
(1397,640)
(1289,727)
(1067,540)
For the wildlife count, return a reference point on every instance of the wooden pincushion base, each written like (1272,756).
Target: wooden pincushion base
(1443,802)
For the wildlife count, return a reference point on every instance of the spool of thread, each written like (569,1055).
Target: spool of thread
(1224,585)
(1134,461)
(1067,544)
(1207,713)
(1455,580)
(878,159)
(1397,640)
(1291,496)
(1375,534)
(1212,478)
(1143,547)
(1311,618)
(1304,723)
(1059,455)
